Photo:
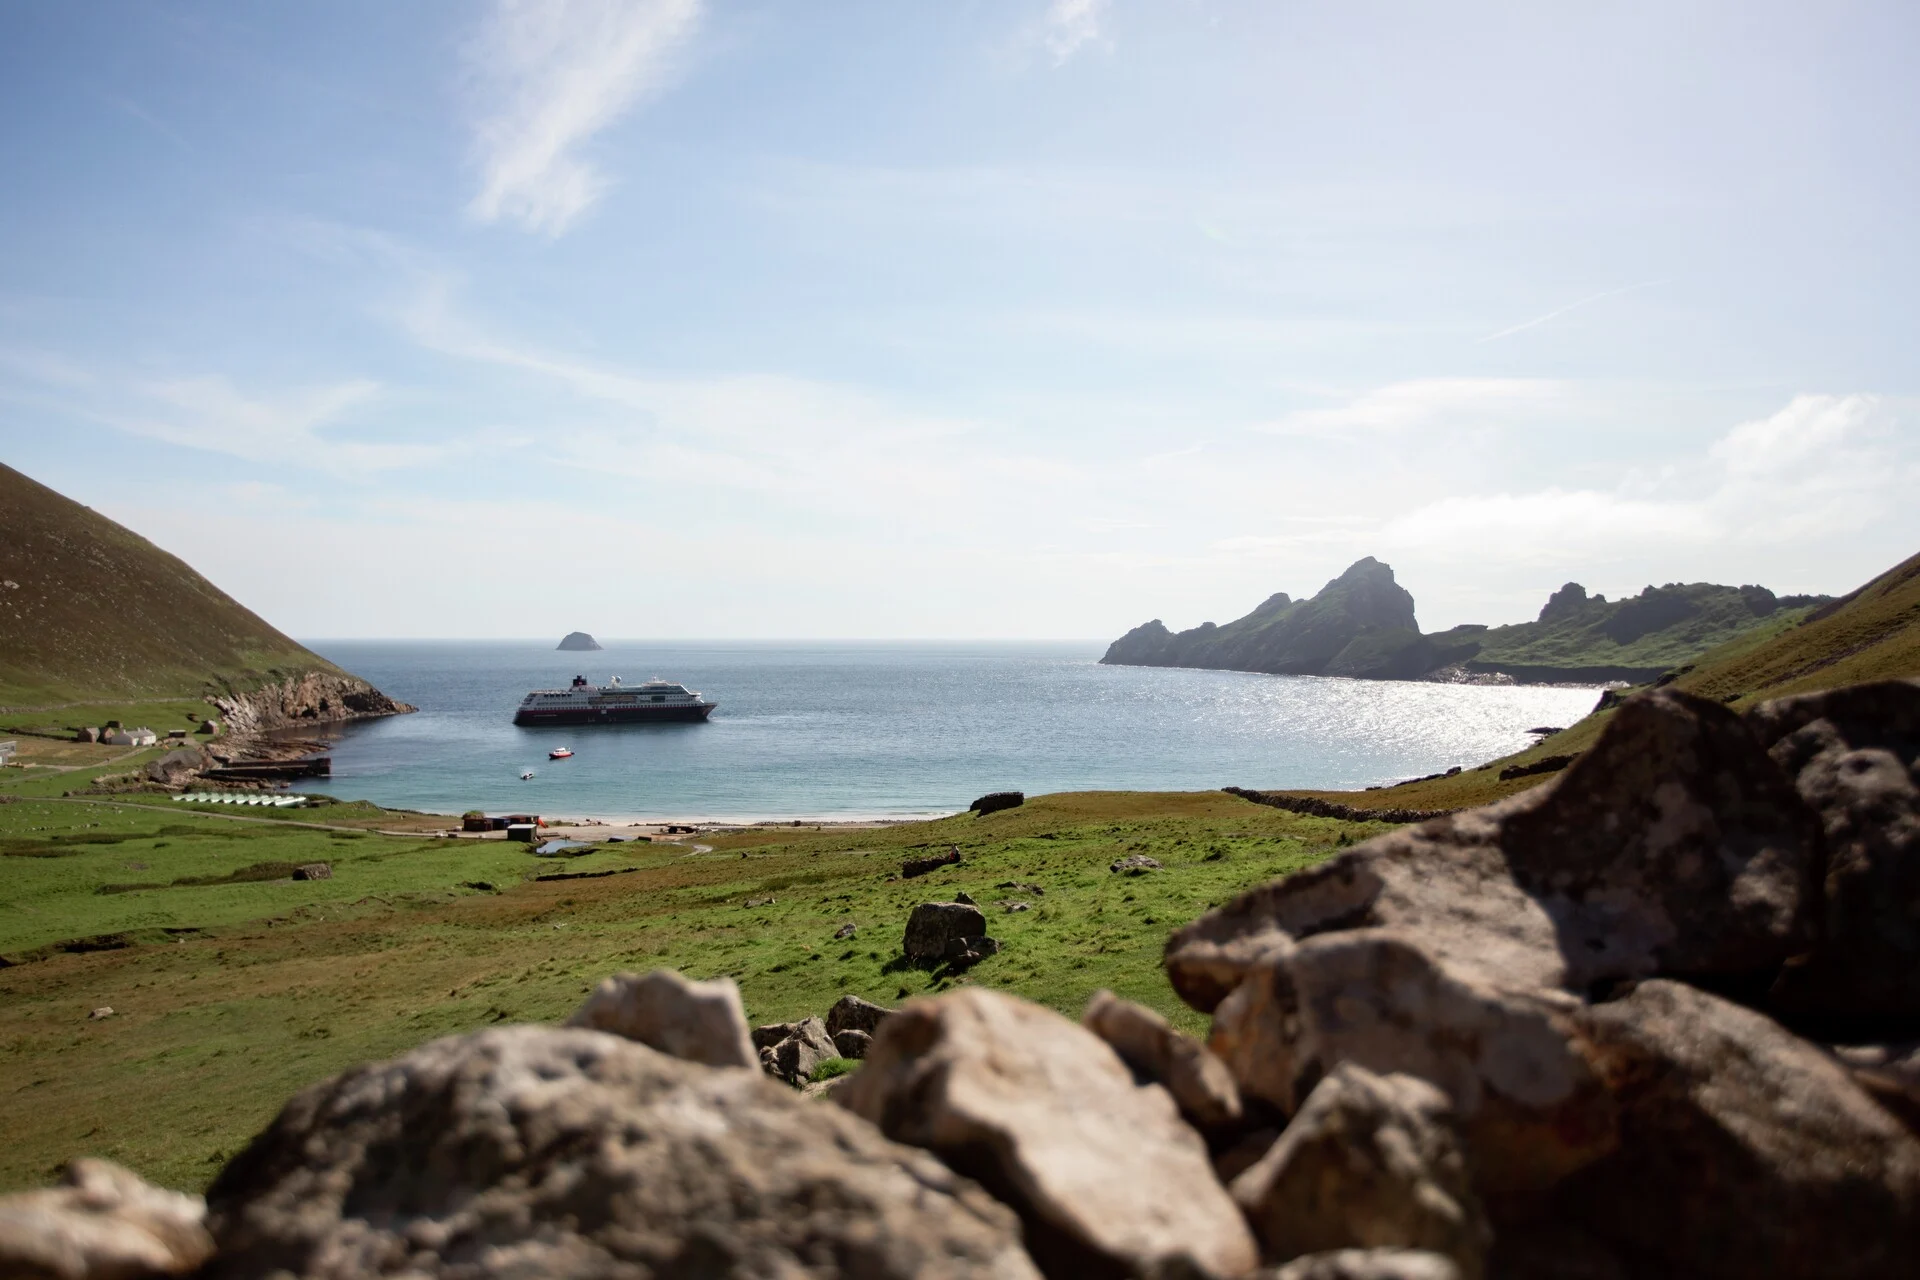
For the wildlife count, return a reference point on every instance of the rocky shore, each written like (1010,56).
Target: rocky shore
(1654,1018)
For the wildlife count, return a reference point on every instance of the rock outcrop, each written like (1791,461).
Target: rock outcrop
(533,1151)
(1200,1083)
(578,642)
(1104,1173)
(309,698)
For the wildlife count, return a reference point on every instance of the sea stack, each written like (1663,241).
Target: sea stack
(578,641)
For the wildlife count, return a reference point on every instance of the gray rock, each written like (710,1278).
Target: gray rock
(995,801)
(851,1013)
(1890,1072)
(178,767)
(851,1044)
(697,1021)
(845,931)
(795,1057)
(1852,755)
(1104,1173)
(1673,845)
(1744,1151)
(1200,1083)
(1135,864)
(101,1223)
(935,924)
(770,1034)
(1369,1162)
(313,871)
(1369,1264)
(533,1151)
(965,899)
(963,953)
(913,867)
(1512,1061)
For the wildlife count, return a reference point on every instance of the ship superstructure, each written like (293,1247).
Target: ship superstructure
(613,703)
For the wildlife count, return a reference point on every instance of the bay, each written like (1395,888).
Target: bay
(871,729)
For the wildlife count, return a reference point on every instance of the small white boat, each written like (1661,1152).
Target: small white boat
(527,776)
(560,753)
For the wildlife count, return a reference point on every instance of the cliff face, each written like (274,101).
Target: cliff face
(309,698)
(1360,624)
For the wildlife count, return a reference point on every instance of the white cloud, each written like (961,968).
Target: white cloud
(1070,26)
(1427,403)
(549,75)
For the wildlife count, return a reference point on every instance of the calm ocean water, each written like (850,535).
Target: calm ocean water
(889,729)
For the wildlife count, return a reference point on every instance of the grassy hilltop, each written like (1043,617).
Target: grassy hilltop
(92,613)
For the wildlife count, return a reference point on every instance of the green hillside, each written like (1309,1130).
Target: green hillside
(92,612)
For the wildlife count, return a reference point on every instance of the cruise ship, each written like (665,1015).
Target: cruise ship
(613,703)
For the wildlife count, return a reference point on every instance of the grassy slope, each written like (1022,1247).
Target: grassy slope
(1721,615)
(1873,634)
(91,611)
(281,984)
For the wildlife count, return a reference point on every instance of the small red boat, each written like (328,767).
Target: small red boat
(559,753)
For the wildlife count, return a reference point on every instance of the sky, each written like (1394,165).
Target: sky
(991,318)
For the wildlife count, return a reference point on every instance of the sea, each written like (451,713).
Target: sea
(846,730)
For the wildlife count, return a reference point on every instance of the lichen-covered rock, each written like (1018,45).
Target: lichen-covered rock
(1852,755)
(101,1223)
(532,1151)
(1369,1162)
(1135,864)
(698,1021)
(1744,1151)
(1672,846)
(1104,1173)
(1511,1061)
(1199,1082)
(933,925)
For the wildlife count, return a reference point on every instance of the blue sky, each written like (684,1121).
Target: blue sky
(991,318)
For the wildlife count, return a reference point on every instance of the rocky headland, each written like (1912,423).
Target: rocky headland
(1655,1017)
(1362,625)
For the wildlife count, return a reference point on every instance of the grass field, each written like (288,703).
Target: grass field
(237,991)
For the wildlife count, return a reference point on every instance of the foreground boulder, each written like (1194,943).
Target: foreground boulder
(1105,1175)
(1511,1060)
(1851,753)
(1370,1162)
(697,1021)
(1200,1083)
(934,925)
(101,1223)
(1673,846)
(525,1151)
(1370,1264)
(1744,1151)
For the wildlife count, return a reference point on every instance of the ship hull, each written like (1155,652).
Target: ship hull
(535,717)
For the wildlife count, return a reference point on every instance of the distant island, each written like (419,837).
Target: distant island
(578,642)
(1362,625)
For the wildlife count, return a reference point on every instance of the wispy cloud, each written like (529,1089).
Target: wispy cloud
(1423,403)
(548,75)
(1070,26)
(1557,312)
